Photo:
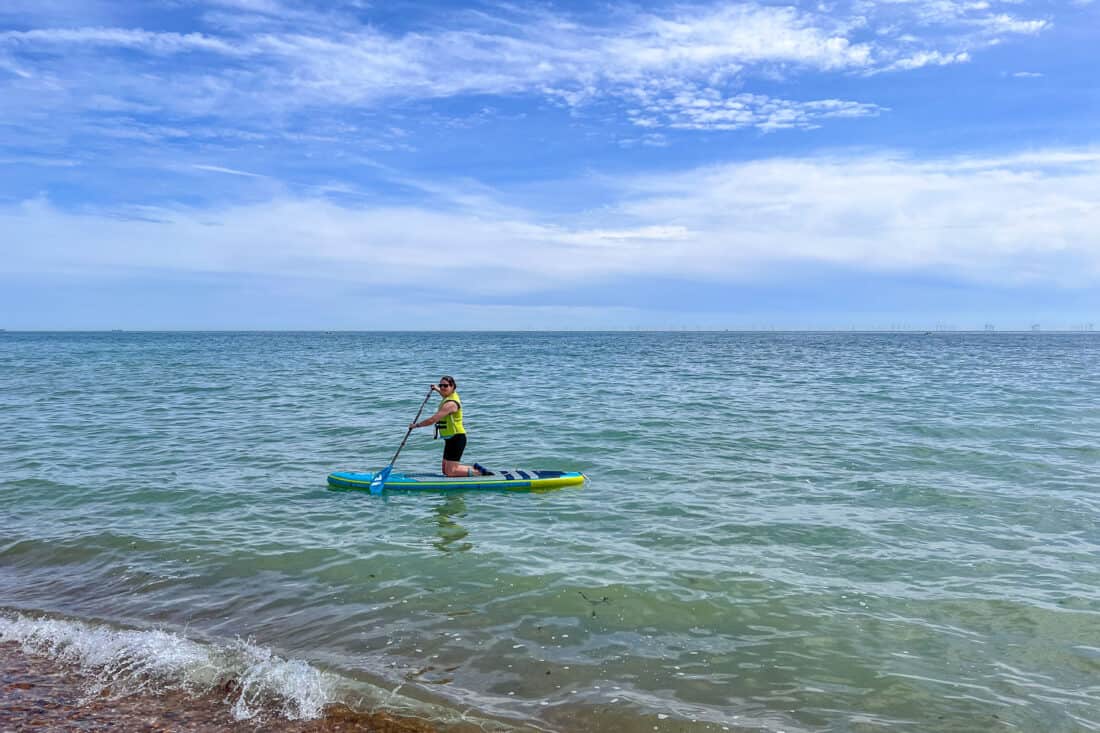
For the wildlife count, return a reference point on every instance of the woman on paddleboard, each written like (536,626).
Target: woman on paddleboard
(448,425)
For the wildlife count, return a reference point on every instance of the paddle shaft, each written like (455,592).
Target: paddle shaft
(409,431)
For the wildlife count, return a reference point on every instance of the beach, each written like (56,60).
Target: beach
(40,693)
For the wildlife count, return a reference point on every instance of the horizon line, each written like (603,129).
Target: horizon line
(933,331)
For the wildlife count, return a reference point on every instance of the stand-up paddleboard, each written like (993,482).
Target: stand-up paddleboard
(513,480)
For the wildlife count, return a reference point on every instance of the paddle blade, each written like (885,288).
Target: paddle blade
(379,479)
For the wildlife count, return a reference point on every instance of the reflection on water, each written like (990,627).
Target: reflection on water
(451,532)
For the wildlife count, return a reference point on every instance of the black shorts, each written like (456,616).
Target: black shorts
(453,447)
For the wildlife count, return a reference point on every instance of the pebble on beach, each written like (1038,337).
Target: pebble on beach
(39,693)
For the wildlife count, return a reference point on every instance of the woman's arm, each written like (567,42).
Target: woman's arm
(444,410)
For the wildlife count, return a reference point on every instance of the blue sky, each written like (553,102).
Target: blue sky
(224,164)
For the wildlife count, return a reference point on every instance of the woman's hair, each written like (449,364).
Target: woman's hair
(448,380)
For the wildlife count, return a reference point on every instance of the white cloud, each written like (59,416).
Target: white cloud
(227,171)
(928,58)
(1002,23)
(733,35)
(574,63)
(956,15)
(650,140)
(686,67)
(1031,217)
(706,109)
(615,237)
(149,41)
(1005,219)
(941,32)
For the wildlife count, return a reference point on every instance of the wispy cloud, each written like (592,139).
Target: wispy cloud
(706,109)
(9,65)
(917,33)
(690,66)
(1003,23)
(716,38)
(1020,218)
(227,171)
(148,41)
(1005,219)
(927,58)
(340,142)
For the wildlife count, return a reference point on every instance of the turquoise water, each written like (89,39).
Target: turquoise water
(780,532)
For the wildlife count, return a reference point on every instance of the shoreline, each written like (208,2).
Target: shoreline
(43,693)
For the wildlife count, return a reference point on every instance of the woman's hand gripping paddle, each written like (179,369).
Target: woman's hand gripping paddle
(379,481)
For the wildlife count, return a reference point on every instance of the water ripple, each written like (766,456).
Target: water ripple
(800,532)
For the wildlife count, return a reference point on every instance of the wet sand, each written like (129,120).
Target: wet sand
(39,694)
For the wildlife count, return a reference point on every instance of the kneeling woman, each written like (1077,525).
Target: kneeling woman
(448,425)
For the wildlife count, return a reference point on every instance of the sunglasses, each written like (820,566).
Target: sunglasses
(441,385)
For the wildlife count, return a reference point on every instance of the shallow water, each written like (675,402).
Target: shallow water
(841,532)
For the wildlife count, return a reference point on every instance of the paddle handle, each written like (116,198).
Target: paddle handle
(409,431)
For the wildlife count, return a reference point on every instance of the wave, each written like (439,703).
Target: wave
(255,683)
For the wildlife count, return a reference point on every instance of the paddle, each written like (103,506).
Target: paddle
(379,481)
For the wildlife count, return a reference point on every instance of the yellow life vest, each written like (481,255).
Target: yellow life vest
(452,424)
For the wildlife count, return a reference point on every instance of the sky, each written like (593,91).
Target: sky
(260,164)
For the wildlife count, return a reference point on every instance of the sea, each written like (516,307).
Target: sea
(779,531)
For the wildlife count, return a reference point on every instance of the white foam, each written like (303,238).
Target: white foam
(131,661)
(256,682)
